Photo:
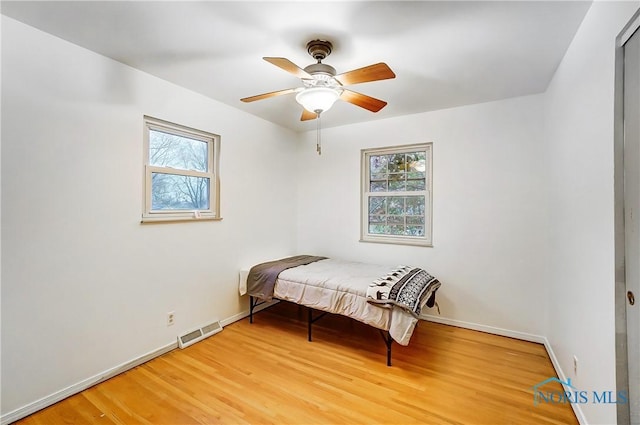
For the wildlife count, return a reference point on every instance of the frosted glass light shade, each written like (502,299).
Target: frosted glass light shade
(317,98)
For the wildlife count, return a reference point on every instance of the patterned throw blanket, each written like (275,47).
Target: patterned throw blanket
(406,287)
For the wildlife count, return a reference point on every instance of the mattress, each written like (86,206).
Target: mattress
(340,287)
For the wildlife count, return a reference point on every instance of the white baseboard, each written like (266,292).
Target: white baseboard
(484,328)
(517,335)
(47,401)
(245,313)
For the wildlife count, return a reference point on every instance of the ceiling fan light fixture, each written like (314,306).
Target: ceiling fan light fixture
(315,99)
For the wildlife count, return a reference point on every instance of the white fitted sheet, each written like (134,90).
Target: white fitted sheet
(340,287)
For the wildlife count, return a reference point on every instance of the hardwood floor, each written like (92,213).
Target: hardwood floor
(267,373)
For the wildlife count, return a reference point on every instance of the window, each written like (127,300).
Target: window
(396,195)
(181,173)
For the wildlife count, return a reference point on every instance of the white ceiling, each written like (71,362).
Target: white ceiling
(444,53)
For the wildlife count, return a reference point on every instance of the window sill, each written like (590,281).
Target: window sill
(176,218)
(398,241)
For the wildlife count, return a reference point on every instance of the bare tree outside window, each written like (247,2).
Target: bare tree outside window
(178,192)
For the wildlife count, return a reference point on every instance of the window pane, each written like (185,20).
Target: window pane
(397,163)
(414,205)
(414,231)
(415,175)
(379,229)
(416,162)
(377,219)
(395,219)
(377,205)
(172,192)
(170,150)
(397,185)
(396,229)
(377,165)
(395,205)
(415,219)
(380,186)
(415,184)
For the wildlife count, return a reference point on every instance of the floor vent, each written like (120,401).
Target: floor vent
(199,334)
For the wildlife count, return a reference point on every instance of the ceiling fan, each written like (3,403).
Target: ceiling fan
(322,87)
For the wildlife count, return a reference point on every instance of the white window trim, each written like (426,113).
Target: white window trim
(365,236)
(213,161)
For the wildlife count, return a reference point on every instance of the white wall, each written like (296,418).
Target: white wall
(579,146)
(85,286)
(489,204)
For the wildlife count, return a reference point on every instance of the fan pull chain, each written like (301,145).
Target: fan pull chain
(318,137)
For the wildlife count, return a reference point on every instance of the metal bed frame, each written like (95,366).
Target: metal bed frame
(255,302)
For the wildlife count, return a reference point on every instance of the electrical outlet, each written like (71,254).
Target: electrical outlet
(171,318)
(575,366)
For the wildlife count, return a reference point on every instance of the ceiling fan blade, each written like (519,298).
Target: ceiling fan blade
(307,115)
(289,66)
(362,100)
(267,95)
(379,71)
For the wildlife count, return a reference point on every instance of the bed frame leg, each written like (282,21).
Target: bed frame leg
(388,341)
(310,321)
(251,305)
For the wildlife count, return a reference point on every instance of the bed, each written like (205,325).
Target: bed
(388,298)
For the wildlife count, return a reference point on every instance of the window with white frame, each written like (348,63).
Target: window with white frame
(181,173)
(396,195)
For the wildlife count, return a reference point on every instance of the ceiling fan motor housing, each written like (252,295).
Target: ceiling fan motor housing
(319,49)
(321,68)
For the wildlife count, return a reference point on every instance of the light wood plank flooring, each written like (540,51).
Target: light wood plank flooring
(267,373)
